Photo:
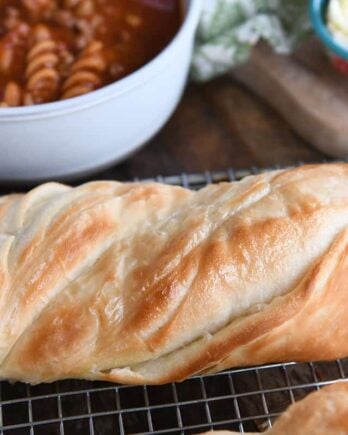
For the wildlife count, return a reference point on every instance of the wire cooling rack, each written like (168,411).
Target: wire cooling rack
(246,399)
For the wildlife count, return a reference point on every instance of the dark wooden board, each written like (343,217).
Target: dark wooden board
(222,124)
(217,125)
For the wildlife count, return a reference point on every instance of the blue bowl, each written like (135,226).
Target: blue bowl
(317,14)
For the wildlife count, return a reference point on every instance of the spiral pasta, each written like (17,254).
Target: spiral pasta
(52,50)
(13,95)
(42,77)
(39,8)
(86,72)
(82,8)
(6,57)
(10,44)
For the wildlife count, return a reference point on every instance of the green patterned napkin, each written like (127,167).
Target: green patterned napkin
(230,28)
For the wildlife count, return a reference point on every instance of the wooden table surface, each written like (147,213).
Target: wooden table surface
(216,126)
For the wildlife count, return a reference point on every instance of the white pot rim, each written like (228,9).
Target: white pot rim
(137,78)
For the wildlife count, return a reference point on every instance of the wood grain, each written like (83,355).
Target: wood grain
(222,124)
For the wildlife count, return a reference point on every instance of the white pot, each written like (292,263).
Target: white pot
(87,133)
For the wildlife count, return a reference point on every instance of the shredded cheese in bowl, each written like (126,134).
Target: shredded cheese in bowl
(337,20)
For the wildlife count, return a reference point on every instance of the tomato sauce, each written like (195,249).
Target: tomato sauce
(43,43)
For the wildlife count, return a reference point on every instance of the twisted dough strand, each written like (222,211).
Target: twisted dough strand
(323,412)
(148,283)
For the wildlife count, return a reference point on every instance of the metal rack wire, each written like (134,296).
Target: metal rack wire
(246,399)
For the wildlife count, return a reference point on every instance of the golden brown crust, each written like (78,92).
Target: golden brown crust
(323,412)
(147,283)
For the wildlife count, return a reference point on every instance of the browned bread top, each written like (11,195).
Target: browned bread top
(323,412)
(148,283)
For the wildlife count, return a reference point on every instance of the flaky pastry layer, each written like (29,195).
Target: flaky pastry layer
(149,283)
(324,412)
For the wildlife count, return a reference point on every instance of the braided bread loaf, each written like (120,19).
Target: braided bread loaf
(148,283)
(324,412)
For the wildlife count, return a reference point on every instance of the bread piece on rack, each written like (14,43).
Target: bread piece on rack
(324,412)
(149,283)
